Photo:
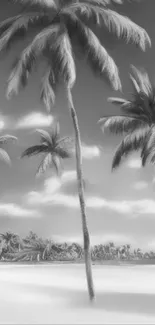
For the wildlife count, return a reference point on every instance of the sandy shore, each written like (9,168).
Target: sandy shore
(57,294)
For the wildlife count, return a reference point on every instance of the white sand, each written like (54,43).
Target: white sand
(57,294)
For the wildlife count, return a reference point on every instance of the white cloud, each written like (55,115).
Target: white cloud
(35,119)
(52,186)
(52,195)
(14,210)
(90,152)
(2,124)
(68,176)
(140,185)
(129,207)
(134,163)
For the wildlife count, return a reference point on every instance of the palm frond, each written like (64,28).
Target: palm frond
(18,28)
(55,134)
(5,138)
(48,89)
(66,141)
(63,152)
(138,108)
(131,142)
(101,3)
(125,28)
(148,150)
(4,156)
(22,67)
(44,165)
(136,111)
(116,23)
(118,101)
(63,59)
(57,164)
(35,150)
(5,24)
(45,136)
(142,80)
(135,84)
(97,56)
(120,124)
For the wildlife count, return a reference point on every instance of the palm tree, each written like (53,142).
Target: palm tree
(53,148)
(4,139)
(137,123)
(10,241)
(36,250)
(59,24)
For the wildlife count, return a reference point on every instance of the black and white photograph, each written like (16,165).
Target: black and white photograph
(77,162)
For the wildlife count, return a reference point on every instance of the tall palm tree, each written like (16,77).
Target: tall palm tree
(137,122)
(53,148)
(59,24)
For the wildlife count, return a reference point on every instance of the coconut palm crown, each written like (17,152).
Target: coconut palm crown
(53,148)
(57,23)
(137,122)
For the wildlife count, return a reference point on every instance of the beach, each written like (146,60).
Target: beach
(57,294)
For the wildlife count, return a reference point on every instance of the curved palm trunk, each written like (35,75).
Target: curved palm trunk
(86,239)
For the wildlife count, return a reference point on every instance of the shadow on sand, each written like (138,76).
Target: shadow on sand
(112,302)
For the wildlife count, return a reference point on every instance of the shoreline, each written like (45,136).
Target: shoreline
(109,262)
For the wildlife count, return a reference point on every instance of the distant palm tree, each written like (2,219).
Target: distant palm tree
(31,237)
(59,24)
(53,148)
(10,241)
(137,124)
(4,139)
(37,250)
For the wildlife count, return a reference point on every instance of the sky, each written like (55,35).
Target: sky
(120,204)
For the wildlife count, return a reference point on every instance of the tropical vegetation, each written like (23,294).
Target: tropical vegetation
(36,249)
(4,139)
(59,25)
(53,148)
(137,121)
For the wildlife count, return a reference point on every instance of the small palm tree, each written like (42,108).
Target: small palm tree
(53,148)
(137,123)
(10,240)
(4,139)
(59,24)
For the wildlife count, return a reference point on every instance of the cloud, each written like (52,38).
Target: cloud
(35,119)
(129,207)
(134,163)
(52,194)
(90,152)
(52,186)
(69,176)
(2,124)
(140,185)
(14,210)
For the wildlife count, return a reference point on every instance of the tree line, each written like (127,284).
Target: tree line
(33,248)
